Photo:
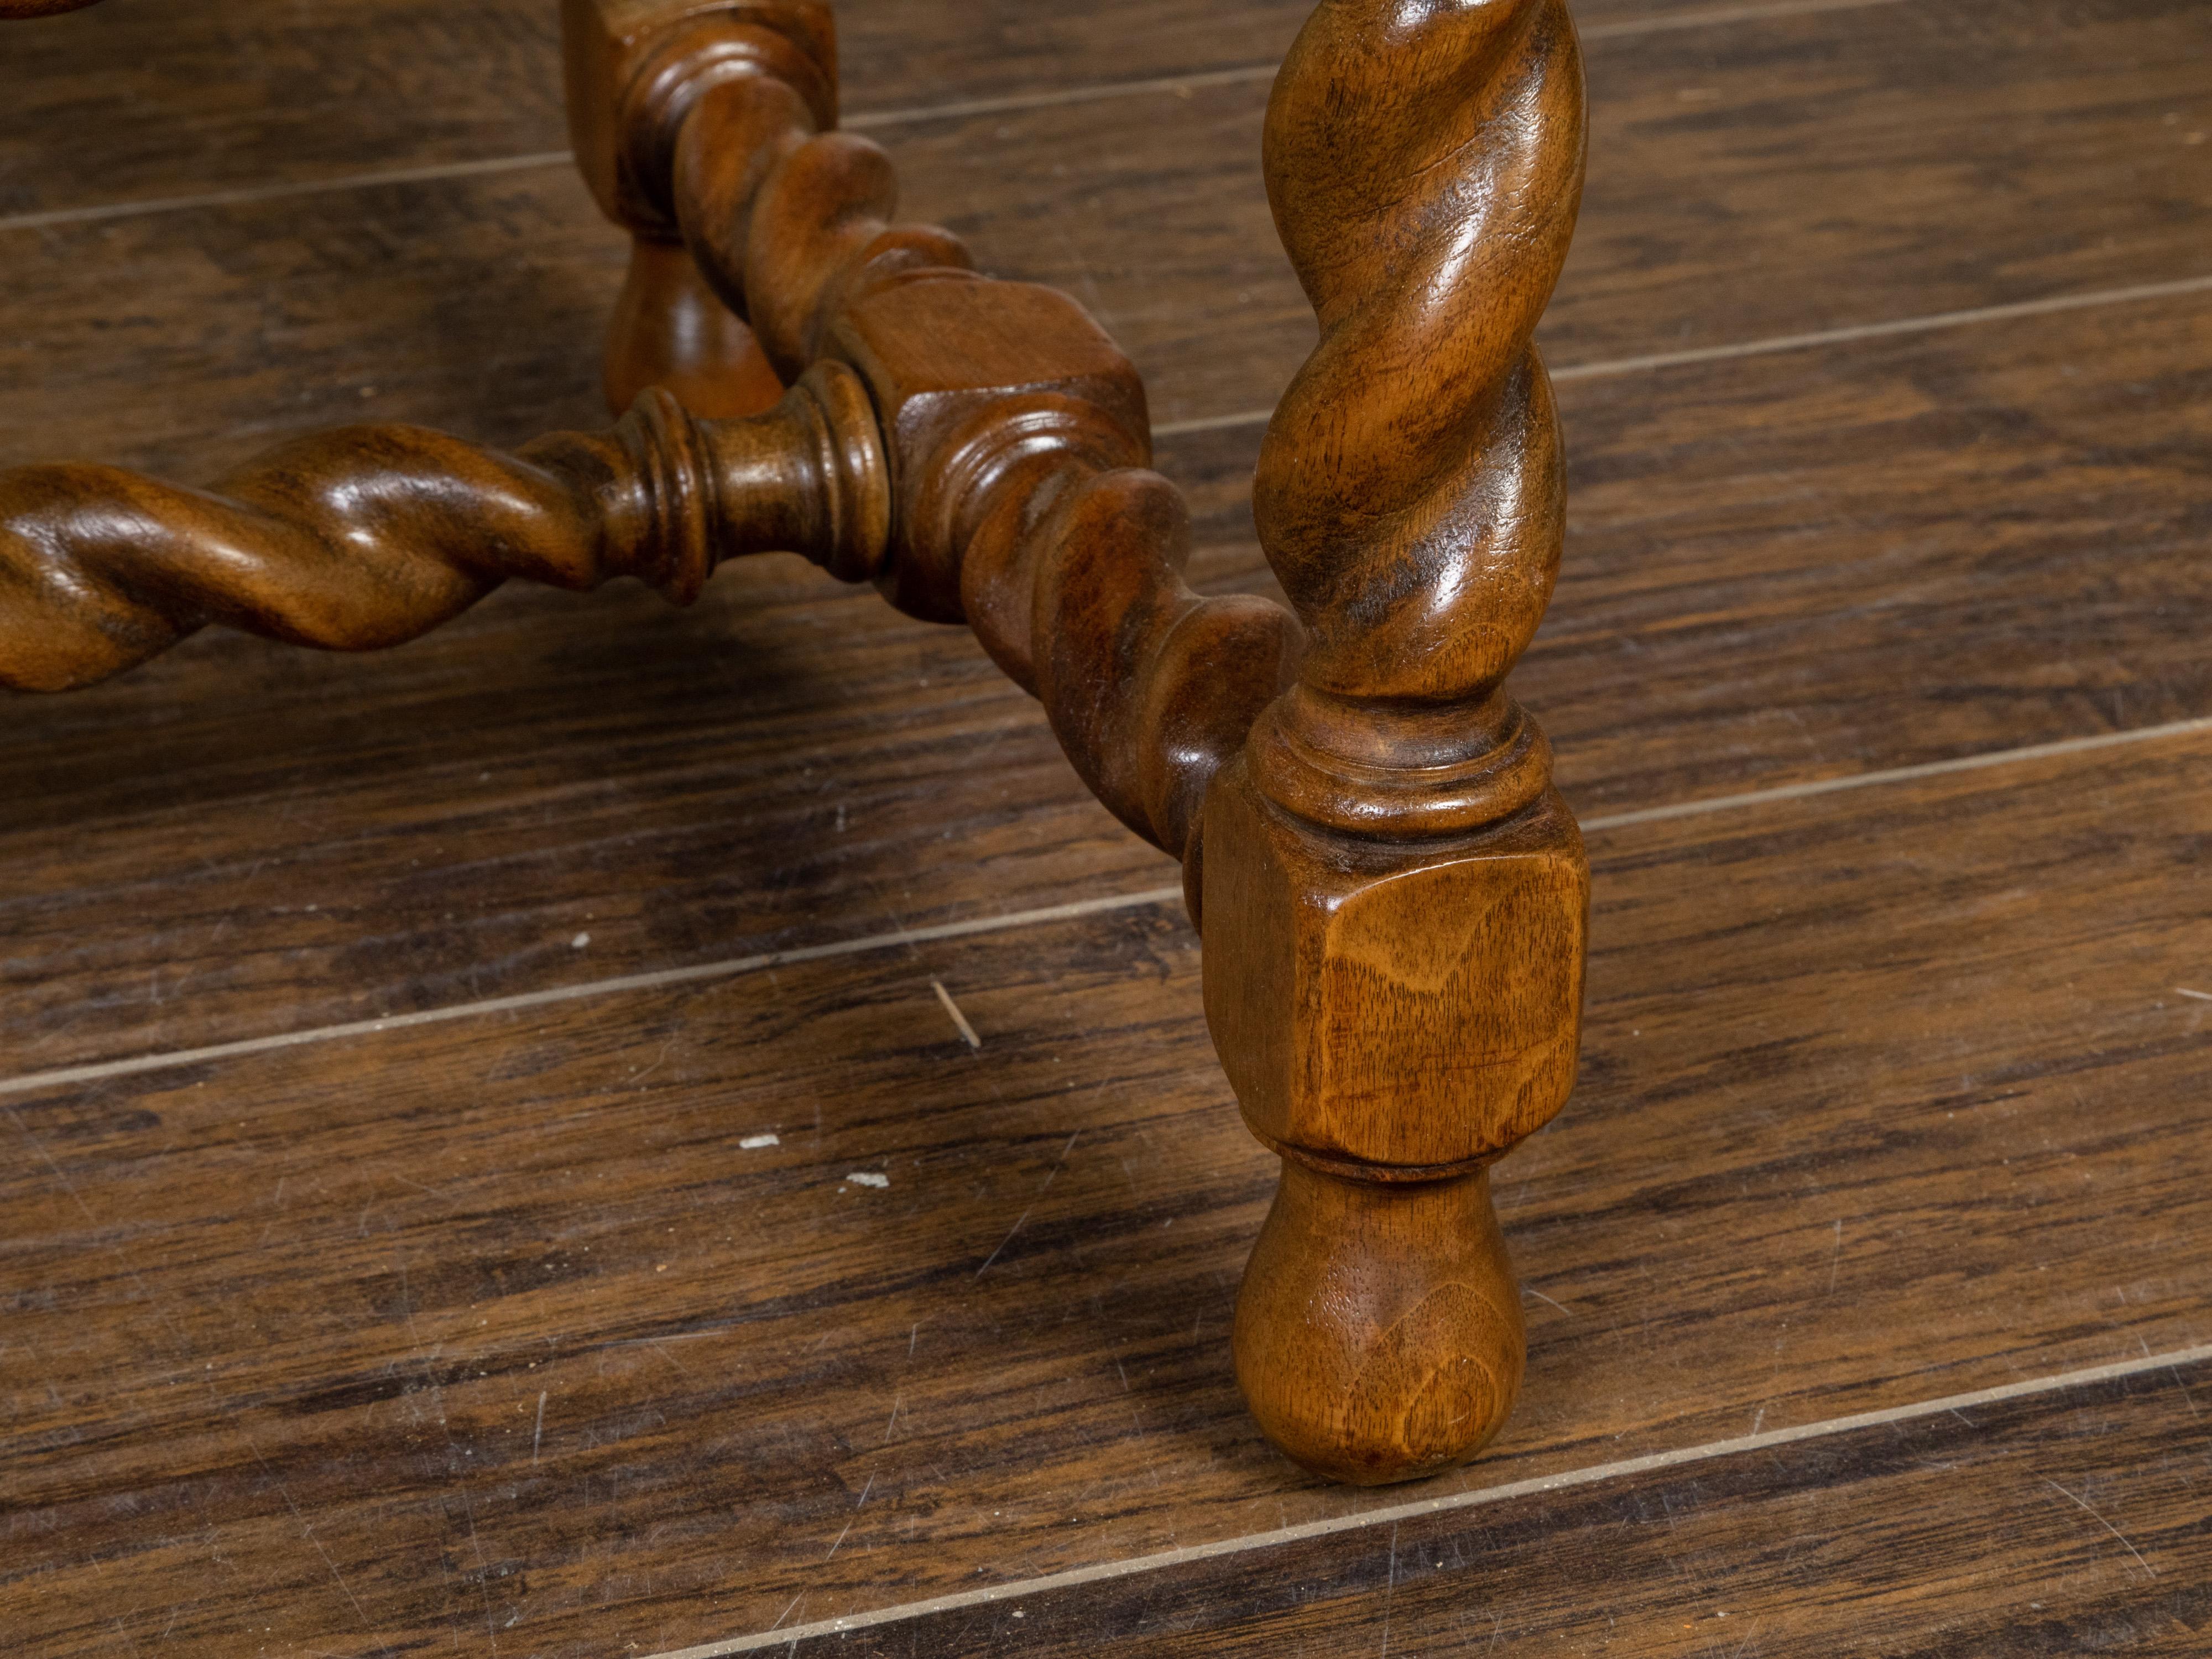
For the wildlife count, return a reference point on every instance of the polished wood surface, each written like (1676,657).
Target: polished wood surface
(362,538)
(776,702)
(1834,686)
(670,330)
(1741,509)
(1397,900)
(1383,867)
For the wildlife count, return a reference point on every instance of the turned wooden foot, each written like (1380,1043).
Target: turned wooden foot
(1379,1335)
(670,330)
(1394,1017)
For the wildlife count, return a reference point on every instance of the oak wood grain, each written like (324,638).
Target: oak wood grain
(1888,1095)
(2071,1523)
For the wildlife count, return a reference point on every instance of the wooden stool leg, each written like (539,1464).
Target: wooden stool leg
(1395,900)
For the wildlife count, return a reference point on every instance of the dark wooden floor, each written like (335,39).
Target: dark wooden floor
(429,1221)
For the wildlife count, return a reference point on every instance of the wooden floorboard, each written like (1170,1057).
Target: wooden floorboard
(1887,1097)
(1783,567)
(2068,1523)
(139,102)
(1700,230)
(1815,564)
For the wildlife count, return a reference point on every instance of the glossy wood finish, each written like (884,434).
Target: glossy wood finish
(1152,210)
(670,330)
(1009,1361)
(1017,431)
(1015,435)
(1346,977)
(362,538)
(1397,902)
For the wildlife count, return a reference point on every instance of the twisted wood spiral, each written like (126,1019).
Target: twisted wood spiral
(1424,161)
(365,537)
(1399,900)
(1031,516)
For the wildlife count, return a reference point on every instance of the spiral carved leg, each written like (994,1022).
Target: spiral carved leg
(1396,901)
(365,537)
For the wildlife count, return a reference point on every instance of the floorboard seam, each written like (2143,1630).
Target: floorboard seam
(1779,345)
(1247,73)
(1013,922)
(866,120)
(731,968)
(428,174)
(1397,1514)
(1896,774)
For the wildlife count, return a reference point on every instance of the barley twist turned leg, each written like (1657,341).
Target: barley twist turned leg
(364,537)
(1395,899)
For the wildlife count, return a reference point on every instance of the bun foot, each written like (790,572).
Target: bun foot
(1379,1335)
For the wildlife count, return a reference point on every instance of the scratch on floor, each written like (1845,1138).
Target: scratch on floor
(967,1031)
(1836,1259)
(839,1544)
(1541,1296)
(1041,1191)
(2188,1399)
(537,1435)
(2106,1524)
(2194,996)
(308,1532)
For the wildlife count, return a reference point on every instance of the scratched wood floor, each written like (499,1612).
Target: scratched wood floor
(429,1224)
